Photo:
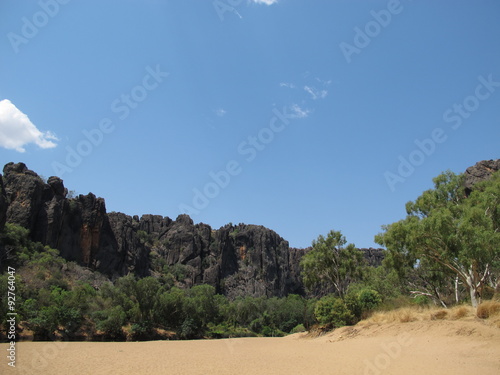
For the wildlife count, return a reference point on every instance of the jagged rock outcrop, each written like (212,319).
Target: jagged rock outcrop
(260,257)
(3,204)
(3,216)
(480,172)
(78,228)
(296,285)
(236,259)
(374,257)
(24,191)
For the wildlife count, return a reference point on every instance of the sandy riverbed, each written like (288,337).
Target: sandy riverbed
(432,347)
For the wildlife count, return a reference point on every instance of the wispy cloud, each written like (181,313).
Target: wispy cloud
(316,94)
(298,112)
(324,83)
(287,85)
(16,130)
(221,112)
(236,12)
(267,2)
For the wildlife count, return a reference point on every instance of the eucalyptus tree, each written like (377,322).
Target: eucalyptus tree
(332,264)
(447,229)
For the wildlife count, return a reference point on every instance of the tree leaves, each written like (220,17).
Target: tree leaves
(444,227)
(332,264)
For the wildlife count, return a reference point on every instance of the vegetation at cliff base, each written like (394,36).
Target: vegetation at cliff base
(449,244)
(445,252)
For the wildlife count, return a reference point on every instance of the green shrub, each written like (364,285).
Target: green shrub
(299,328)
(110,322)
(223,331)
(256,325)
(142,330)
(190,329)
(332,311)
(422,300)
(272,332)
(369,299)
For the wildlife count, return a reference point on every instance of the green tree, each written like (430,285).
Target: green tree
(146,292)
(200,309)
(110,321)
(54,310)
(456,235)
(331,263)
(333,311)
(169,311)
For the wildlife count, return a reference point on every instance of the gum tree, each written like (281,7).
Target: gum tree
(332,263)
(447,229)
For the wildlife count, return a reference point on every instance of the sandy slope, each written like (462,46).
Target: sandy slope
(432,347)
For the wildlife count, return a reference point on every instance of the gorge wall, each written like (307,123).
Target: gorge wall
(236,259)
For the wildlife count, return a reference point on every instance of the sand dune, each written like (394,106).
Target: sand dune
(422,347)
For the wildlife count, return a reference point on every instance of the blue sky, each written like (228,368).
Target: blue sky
(302,116)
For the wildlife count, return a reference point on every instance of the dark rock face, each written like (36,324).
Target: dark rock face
(254,261)
(24,190)
(236,259)
(374,257)
(3,204)
(480,172)
(3,216)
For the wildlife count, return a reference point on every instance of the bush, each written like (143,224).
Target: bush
(369,299)
(439,315)
(142,330)
(110,322)
(361,302)
(299,328)
(272,332)
(256,325)
(190,329)
(422,300)
(222,331)
(44,324)
(332,311)
(487,309)
(169,310)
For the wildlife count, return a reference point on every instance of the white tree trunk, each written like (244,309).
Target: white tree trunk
(473,298)
(471,284)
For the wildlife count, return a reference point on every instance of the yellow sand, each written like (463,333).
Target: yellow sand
(421,347)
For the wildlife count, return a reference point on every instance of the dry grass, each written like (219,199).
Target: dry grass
(412,314)
(439,315)
(488,309)
(401,315)
(461,311)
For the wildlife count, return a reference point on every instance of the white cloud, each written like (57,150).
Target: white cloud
(288,85)
(297,112)
(267,2)
(16,130)
(324,83)
(220,112)
(316,94)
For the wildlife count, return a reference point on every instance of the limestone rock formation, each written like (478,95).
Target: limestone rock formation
(3,204)
(236,259)
(480,172)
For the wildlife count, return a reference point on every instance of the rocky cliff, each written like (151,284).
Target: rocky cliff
(480,172)
(3,204)
(236,259)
